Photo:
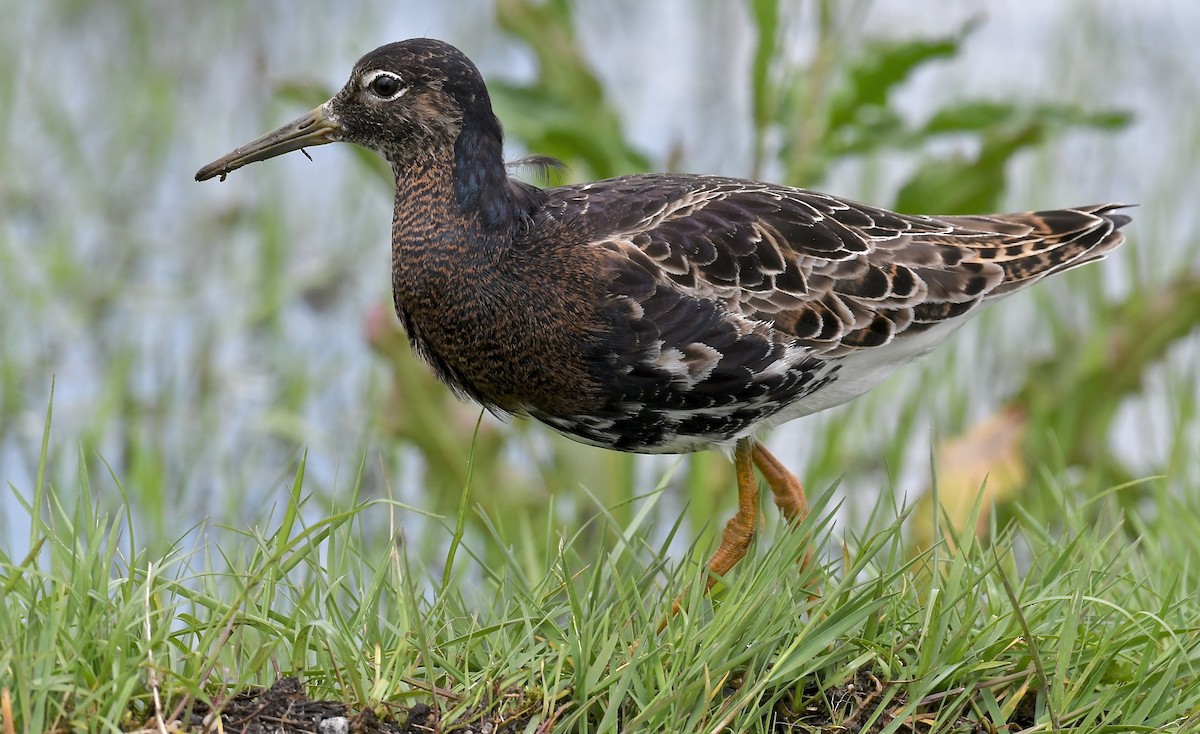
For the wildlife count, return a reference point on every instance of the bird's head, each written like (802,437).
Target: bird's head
(412,101)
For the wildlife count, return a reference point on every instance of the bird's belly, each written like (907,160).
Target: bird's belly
(670,443)
(669,420)
(859,372)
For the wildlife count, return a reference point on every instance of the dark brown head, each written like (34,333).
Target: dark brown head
(405,100)
(416,102)
(411,99)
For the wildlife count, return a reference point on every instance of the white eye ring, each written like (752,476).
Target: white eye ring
(371,80)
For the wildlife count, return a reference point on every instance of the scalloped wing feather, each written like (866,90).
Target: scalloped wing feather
(836,275)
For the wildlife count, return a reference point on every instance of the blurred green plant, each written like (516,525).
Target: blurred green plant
(564,111)
(839,105)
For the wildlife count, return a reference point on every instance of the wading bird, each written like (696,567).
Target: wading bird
(658,313)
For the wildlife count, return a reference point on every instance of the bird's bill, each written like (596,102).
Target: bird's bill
(315,128)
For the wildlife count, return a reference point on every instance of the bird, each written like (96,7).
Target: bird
(658,312)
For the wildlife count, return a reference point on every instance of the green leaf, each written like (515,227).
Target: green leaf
(563,112)
(965,185)
(765,16)
(986,115)
(884,66)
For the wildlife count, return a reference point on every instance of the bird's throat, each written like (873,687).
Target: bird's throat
(444,255)
(437,241)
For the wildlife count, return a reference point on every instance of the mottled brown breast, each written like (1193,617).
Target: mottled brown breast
(513,323)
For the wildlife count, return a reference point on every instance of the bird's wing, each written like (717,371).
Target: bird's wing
(834,274)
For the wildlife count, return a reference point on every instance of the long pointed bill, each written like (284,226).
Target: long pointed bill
(316,128)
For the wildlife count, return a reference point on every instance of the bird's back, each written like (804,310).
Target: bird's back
(835,274)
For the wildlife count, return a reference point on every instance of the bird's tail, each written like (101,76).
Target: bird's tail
(1048,242)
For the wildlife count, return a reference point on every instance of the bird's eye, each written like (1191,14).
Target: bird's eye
(386,85)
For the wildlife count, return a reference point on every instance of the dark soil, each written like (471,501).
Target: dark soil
(284,708)
(855,707)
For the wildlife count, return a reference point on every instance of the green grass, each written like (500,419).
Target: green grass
(1083,625)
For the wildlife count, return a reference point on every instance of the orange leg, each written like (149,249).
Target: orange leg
(789,493)
(735,541)
(739,531)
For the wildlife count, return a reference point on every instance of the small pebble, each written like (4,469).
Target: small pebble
(334,725)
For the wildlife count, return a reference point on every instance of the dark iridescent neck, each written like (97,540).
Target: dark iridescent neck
(481,182)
